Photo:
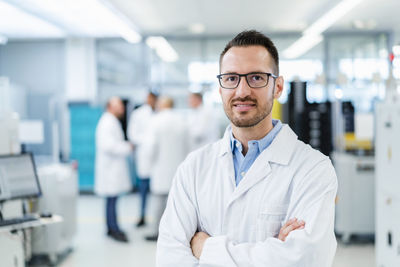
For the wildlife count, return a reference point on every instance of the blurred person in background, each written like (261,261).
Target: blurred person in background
(203,124)
(111,168)
(138,134)
(169,148)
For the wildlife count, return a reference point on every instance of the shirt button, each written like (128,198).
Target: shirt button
(237,145)
(242,173)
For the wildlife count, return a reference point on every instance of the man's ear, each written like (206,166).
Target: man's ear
(279,82)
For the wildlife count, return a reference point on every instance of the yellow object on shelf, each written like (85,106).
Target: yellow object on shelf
(351,143)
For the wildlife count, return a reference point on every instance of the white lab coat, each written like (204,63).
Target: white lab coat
(288,179)
(139,134)
(169,148)
(203,127)
(111,167)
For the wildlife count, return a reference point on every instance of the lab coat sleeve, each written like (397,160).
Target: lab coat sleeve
(313,246)
(152,141)
(108,142)
(132,127)
(178,225)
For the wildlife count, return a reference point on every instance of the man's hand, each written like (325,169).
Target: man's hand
(291,225)
(197,243)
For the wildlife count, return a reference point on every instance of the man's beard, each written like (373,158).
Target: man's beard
(251,122)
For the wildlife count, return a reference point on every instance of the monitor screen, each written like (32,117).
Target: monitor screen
(18,178)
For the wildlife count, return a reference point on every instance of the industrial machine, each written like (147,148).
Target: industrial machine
(18,182)
(388,182)
(355,207)
(59,184)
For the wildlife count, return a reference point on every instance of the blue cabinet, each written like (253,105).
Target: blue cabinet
(83,122)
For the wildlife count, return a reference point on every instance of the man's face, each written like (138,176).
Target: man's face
(246,106)
(194,101)
(152,101)
(120,109)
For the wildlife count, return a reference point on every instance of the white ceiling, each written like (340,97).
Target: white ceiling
(55,18)
(227,17)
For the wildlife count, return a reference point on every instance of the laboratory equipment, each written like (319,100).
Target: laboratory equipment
(355,207)
(59,184)
(387,237)
(18,178)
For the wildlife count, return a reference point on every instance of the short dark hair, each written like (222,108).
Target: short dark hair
(250,38)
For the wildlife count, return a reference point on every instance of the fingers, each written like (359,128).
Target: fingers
(289,226)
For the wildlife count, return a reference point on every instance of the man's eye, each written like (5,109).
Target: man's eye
(231,78)
(257,78)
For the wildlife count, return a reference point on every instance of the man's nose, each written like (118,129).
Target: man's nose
(243,88)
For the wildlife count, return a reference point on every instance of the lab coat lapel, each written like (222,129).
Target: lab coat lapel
(257,172)
(280,152)
(226,159)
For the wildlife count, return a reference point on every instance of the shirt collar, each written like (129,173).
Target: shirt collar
(262,143)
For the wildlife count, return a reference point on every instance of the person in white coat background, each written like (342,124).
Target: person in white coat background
(138,134)
(259,196)
(203,124)
(112,177)
(169,148)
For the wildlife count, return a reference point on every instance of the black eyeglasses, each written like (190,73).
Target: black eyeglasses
(253,79)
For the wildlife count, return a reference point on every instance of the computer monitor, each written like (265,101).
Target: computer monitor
(18,178)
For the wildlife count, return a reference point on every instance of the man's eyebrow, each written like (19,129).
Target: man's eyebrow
(254,71)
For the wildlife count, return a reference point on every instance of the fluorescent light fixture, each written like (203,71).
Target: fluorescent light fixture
(93,18)
(302,45)
(312,35)
(17,23)
(163,49)
(3,39)
(197,28)
(331,17)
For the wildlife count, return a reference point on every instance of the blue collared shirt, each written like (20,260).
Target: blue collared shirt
(243,163)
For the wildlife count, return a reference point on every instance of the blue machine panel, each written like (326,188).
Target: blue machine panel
(83,122)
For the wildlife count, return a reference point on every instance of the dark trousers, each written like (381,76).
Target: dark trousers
(111,214)
(144,188)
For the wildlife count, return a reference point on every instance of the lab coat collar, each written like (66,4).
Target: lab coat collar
(283,146)
(279,151)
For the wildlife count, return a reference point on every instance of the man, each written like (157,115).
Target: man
(169,148)
(203,124)
(112,175)
(259,196)
(138,134)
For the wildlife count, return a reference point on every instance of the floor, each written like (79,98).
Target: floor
(93,248)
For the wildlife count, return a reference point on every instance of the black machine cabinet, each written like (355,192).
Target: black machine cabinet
(312,122)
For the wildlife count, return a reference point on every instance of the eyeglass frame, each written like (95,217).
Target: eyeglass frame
(219,76)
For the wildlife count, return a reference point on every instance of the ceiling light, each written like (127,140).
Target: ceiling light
(312,35)
(301,46)
(333,15)
(358,24)
(93,18)
(17,23)
(3,39)
(197,28)
(163,49)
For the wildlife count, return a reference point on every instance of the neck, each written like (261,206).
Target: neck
(257,132)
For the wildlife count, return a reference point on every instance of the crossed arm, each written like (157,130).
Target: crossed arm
(198,240)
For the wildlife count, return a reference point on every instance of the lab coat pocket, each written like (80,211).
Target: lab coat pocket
(270,221)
